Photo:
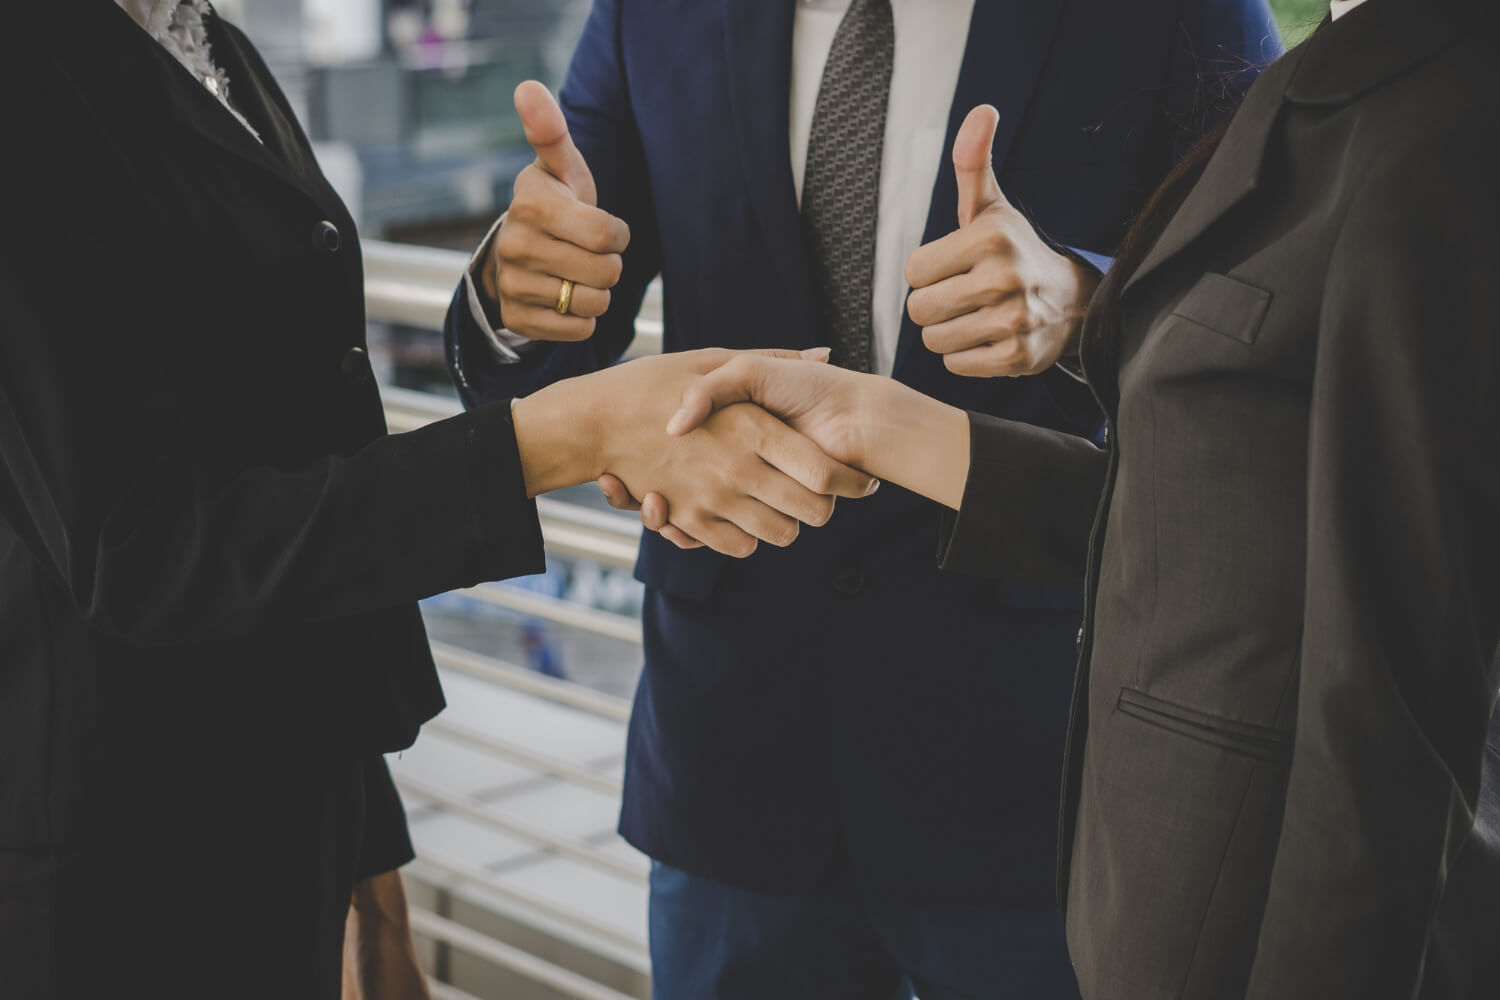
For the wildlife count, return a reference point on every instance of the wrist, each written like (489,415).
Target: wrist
(915,441)
(560,437)
(871,402)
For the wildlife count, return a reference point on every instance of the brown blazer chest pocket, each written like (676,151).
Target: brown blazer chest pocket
(1227,306)
(1243,738)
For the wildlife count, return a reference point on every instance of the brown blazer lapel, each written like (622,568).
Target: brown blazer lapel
(1338,64)
(1233,174)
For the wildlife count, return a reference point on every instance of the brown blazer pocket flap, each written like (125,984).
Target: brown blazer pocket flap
(1226,305)
(1244,738)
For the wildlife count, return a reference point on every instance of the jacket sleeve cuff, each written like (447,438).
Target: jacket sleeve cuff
(505,517)
(1027,507)
(385,843)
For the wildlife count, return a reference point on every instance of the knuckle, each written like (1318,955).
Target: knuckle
(508,282)
(602,236)
(958,365)
(523,210)
(997,241)
(920,308)
(738,544)
(507,243)
(614,269)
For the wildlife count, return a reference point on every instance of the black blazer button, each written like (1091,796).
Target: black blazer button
(1078,642)
(355,366)
(849,582)
(327,237)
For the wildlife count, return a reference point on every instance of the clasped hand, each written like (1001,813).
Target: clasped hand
(739,477)
(832,409)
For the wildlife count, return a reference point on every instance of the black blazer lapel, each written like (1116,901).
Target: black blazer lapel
(251,91)
(758,64)
(1003,60)
(200,111)
(125,64)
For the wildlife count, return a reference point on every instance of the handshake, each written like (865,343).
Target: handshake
(685,432)
(759,443)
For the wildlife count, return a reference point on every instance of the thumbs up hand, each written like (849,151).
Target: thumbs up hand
(993,298)
(552,233)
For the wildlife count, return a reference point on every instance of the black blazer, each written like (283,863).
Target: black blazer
(208,544)
(1294,577)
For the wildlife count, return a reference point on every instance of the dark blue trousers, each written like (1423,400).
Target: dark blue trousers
(714,942)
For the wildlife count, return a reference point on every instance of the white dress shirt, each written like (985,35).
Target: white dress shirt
(931,37)
(1342,7)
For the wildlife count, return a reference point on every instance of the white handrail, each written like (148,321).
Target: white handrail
(573,774)
(471,942)
(514,678)
(561,846)
(469,876)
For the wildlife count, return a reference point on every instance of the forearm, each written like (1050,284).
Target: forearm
(901,436)
(380,960)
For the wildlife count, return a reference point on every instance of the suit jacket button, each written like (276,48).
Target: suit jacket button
(327,237)
(849,582)
(1078,642)
(355,366)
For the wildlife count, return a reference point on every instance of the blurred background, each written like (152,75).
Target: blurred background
(522,888)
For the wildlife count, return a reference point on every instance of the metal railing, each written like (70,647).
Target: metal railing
(504,956)
(413,286)
(514,678)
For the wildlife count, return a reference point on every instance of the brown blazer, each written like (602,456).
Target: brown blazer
(1294,575)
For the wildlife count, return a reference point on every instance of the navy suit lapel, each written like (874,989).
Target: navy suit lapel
(758,44)
(1007,48)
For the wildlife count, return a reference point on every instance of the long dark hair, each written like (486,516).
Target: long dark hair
(1143,234)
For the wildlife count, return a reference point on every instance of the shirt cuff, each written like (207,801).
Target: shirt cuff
(508,346)
(1101,263)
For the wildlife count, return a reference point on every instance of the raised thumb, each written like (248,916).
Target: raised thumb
(547,132)
(973,162)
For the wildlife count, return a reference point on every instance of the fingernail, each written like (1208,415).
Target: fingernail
(674,425)
(874,485)
(817,353)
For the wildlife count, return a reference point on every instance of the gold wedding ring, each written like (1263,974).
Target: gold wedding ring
(565,298)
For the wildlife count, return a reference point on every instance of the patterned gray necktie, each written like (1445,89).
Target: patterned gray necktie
(841,186)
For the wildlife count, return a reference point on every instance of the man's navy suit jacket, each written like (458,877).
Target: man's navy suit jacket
(843,708)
